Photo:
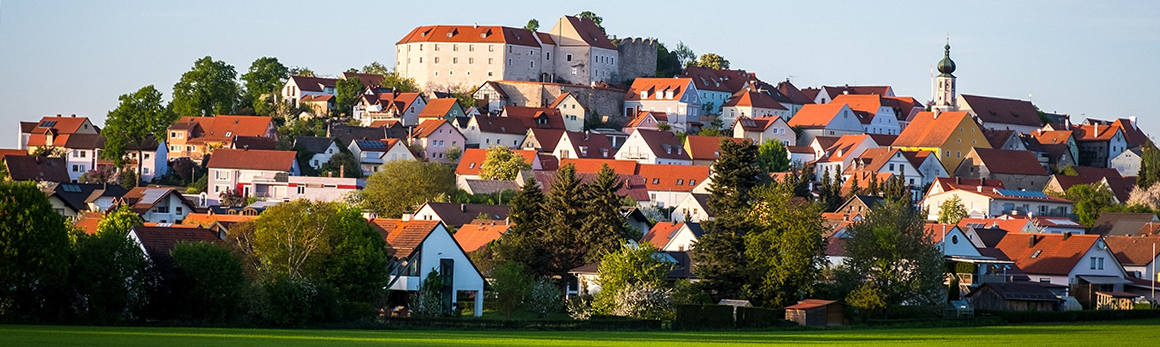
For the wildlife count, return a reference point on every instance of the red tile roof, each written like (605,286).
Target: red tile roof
(866,106)
(1010,162)
(62,129)
(547,138)
(475,236)
(1004,111)
(29,168)
(1095,132)
(502,125)
(707,147)
(1134,250)
(159,241)
(794,94)
(536,117)
(809,304)
(728,81)
(1010,224)
(403,237)
(590,33)
(815,116)
(678,178)
(1047,254)
(6,152)
(656,88)
(948,184)
(658,118)
(759,124)
(471,34)
(835,91)
(746,98)
(623,167)
(663,144)
(843,148)
(559,99)
(472,160)
(428,127)
(1047,137)
(313,84)
(438,108)
(1132,132)
(223,128)
(590,145)
(264,160)
(926,131)
(400,102)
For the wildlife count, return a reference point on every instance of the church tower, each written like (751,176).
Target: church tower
(944,96)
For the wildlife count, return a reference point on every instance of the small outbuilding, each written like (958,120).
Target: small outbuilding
(816,313)
(1014,296)
(1116,300)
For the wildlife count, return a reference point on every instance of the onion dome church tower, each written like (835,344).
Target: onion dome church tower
(944,96)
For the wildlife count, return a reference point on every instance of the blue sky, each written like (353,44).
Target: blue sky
(1084,58)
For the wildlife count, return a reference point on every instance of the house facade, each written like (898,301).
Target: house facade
(420,247)
(989,202)
(761,129)
(195,137)
(826,120)
(240,169)
(676,97)
(439,139)
(654,147)
(372,155)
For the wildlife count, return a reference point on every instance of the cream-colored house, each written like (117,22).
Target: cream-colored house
(766,128)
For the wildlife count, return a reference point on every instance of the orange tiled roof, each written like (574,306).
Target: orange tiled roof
(815,116)
(1047,254)
(475,236)
(225,158)
(223,128)
(622,167)
(680,178)
(927,131)
(707,147)
(438,108)
(403,237)
(843,148)
(428,127)
(656,88)
(747,98)
(471,34)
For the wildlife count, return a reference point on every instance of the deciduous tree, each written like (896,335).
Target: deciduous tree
(712,61)
(141,117)
(589,15)
(206,90)
(210,280)
(772,156)
(34,252)
(786,249)
(265,77)
(403,185)
(626,267)
(891,252)
(294,238)
(108,273)
(502,164)
(347,91)
(533,25)
(952,210)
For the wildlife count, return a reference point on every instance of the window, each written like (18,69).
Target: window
(437,60)
(490,48)
(471,48)
(680,182)
(455,60)
(568,57)
(891,167)
(471,60)
(74,154)
(179,210)
(656,181)
(221,174)
(1100,263)
(436,47)
(455,48)
(509,62)
(574,72)
(301,189)
(548,56)
(1093,263)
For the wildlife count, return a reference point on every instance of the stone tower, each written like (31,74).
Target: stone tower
(638,58)
(944,97)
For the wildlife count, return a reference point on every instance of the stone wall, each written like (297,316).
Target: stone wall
(637,58)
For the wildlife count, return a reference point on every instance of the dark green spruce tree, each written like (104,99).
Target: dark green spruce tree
(604,230)
(564,215)
(524,243)
(720,253)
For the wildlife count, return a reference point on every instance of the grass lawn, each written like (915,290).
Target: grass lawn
(1138,333)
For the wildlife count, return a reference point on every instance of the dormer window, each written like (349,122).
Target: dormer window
(644,94)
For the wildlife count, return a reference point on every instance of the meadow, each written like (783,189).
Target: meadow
(1120,333)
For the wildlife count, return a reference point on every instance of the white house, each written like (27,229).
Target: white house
(75,137)
(486,131)
(826,120)
(573,112)
(669,185)
(751,104)
(1137,254)
(157,205)
(951,240)
(322,147)
(673,236)
(875,115)
(1128,162)
(986,202)
(767,128)
(1067,260)
(695,207)
(154,159)
(839,156)
(239,169)
(306,187)
(676,97)
(419,247)
(654,147)
(372,155)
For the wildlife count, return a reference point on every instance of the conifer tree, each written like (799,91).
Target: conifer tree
(563,218)
(855,186)
(720,253)
(872,187)
(524,243)
(604,229)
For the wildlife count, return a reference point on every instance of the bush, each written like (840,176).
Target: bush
(545,298)
(294,303)
(580,307)
(644,301)
(757,317)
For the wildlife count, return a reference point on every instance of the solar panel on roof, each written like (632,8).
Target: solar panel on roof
(1021,193)
(152,195)
(47,123)
(72,188)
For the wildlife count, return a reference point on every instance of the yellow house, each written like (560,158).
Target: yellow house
(950,135)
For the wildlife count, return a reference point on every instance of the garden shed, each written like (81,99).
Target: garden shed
(816,313)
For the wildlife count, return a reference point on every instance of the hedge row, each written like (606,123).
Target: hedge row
(698,317)
(491,324)
(1069,316)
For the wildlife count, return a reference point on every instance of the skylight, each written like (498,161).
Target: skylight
(1036,254)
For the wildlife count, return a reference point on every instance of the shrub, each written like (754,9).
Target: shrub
(545,298)
(580,307)
(644,301)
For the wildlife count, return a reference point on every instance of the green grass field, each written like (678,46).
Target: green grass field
(1122,333)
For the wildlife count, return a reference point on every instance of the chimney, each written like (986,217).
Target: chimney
(462,207)
(1066,236)
(936,111)
(1133,119)
(979,188)
(341,171)
(74,115)
(1032,241)
(58,115)
(958,180)
(983,181)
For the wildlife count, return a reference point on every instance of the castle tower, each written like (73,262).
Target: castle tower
(944,96)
